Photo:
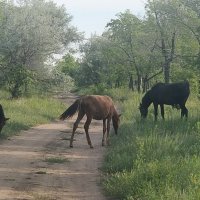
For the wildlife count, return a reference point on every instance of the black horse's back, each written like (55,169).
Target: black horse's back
(170,93)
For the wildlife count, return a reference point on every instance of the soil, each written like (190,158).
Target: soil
(38,163)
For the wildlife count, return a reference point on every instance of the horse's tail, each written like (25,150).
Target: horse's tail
(70,111)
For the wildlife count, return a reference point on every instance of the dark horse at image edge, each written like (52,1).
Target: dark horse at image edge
(94,107)
(174,94)
(3,119)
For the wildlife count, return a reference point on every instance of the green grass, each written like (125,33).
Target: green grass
(155,160)
(58,160)
(27,112)
(41,172)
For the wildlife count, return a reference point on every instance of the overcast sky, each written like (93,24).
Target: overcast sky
(91,16)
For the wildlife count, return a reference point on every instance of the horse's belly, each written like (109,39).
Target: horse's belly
(167,101)
(99,116)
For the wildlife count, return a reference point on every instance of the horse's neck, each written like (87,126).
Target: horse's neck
(146,101)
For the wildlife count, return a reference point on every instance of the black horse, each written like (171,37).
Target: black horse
(174,94)
(3,119)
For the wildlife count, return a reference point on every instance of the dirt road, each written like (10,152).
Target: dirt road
(38,164)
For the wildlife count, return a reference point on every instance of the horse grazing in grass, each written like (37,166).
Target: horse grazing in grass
(3,119)
(94,107)
(174,94)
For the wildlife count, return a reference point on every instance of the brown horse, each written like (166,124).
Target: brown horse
(94,107)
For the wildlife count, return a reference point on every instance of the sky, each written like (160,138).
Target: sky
(91,16)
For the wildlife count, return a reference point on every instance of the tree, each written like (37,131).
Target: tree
(136,45)
(124,33)
(31,31)
(68,65)
(94,67)
(161,15)
(189,17)
(176,23)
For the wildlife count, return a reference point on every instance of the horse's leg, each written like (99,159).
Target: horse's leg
(86,127)
(104,131)
(184,111)
(155,110)
(162,111)
(80,116)
(108,131)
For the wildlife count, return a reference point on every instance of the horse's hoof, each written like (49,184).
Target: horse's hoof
(71,146)
(91,147)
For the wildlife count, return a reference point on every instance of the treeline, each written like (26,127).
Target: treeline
(132,52)
(136,52)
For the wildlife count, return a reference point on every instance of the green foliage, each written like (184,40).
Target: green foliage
(99,89)
(94,66)
(27,112)
(68,65)
(164,46)
(60,81)
(31,32)
(155,160)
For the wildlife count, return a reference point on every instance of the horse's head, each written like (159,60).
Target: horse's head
(116,122)
(143,111)
(3,119)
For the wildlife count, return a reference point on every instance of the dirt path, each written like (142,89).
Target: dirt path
(27,173)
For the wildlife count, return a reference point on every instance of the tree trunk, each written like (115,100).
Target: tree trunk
(139,82)
(131,83)
(145,83)
(117,83)
(166,71)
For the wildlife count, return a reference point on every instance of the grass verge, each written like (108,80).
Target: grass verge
(27,112)
(154,160)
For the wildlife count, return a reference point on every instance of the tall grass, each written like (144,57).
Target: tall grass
(27,112)
(155,160)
